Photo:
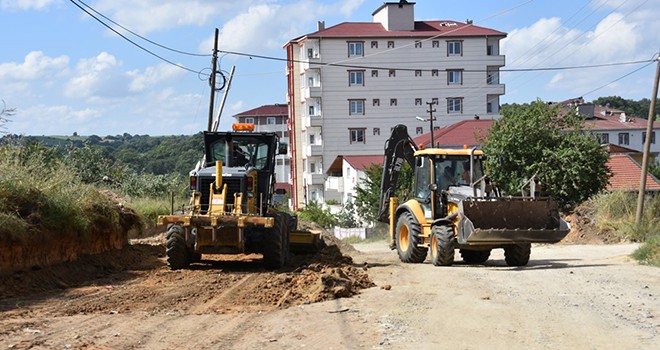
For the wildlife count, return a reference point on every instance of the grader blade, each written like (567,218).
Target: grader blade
(511,220)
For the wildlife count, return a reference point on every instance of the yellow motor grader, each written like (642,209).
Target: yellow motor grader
(454,207)
(232,208)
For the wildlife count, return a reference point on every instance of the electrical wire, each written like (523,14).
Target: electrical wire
(141,37)
(131,41)
(623,76)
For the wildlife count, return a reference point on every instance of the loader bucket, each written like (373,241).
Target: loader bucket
(510,220)
(305,241)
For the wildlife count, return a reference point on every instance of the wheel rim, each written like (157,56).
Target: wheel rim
(403,238)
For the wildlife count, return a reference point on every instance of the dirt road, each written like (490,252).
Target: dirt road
(568,297)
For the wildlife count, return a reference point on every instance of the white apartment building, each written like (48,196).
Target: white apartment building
(349,84)
(272,118)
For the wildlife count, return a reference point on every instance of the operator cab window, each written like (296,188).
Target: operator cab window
(243,152)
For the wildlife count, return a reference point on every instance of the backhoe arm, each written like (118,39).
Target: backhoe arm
(398,148)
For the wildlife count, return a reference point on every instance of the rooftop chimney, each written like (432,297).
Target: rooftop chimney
(320,25)
(396,15)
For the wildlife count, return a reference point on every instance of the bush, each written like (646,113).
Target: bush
(615,212)
(43,195)
(314,212)
(649,252)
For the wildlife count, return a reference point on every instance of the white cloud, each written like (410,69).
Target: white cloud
(98,77)
(26,4)
(152,76)
(618,37)
(53,120)
(36,66)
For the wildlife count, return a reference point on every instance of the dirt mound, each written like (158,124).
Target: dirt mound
(584,229)
(137,278)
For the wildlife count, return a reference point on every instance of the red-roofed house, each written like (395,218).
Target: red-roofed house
(345,173)
(457,135)
(350,83)
(626,175)
(273,118)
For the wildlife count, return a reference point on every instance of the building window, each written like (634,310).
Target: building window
(419,130)
(310,53)
(374,44)
(390,44)
(436,43)
(312,139)
(489,50)
(392,72)
(492,78)
(312,168)
(418,73)
(624,138)
(356,107)
(249,120)
(644,137)
(455,105)
(376,102)
(489,107)
(393,102)
(418,44)
(376,131)
(271,121)
(454,77)
(357,135)
(311,110)
(374,73)
(434,101)
(454,48)
(434,73)
(418,102)
(355,77)
(603,138)
(355,48)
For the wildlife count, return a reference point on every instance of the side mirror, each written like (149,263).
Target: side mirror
(433,187)
(282,148)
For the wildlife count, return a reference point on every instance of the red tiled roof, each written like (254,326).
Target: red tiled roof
(619,149)
(458,134)
(443,28)
(626,174)
(359,162)
(265,110)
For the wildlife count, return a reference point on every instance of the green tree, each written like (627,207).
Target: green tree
(532,139)
(367,191)
(639,109)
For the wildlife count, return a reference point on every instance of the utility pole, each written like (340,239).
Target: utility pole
(647,147)
(214,62)
(431,110)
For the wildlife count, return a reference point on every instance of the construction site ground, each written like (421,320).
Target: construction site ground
(570,296)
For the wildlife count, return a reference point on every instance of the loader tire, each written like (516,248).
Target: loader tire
(442,245)
(517,254)
(176,249)
(408,236)
(274,249)
(475,256)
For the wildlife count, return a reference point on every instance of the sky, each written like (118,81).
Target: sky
(64,72)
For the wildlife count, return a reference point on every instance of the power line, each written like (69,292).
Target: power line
(132,42)
(623,76)
(143,38)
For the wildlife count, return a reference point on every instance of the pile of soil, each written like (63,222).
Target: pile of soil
(137,278)
(584,229)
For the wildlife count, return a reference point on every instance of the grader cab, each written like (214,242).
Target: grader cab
(232,208)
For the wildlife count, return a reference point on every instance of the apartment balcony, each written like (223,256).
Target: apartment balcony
(315,179)
(313,121)
(495,60)
(314,150)
(312,92)
(335,183)
(494,89)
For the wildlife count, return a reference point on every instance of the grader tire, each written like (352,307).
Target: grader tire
(442,245)
(475,256)
(408,236)
(176,249)
(517,254)
(274,251)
